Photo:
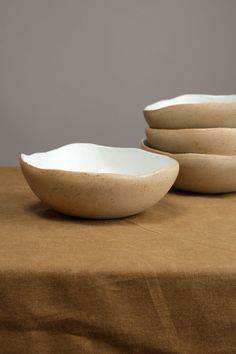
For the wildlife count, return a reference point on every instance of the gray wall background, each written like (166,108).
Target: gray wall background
(82,70)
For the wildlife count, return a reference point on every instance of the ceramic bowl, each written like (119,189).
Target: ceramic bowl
(219,141)
(192,111)
(202,173)
(93,181)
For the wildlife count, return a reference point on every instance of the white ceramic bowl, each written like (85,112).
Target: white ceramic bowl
(202,173)
(95,181)
(192,111)
(218,141)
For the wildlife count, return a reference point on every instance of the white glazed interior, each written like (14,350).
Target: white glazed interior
(93,158)
(191,99)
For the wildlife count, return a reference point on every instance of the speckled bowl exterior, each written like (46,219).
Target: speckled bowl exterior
(217,141)
(101,195)
(195,115)
(202,173)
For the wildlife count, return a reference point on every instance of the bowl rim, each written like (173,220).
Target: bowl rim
(185,154)
(173,101)
(212,129)
(172,163)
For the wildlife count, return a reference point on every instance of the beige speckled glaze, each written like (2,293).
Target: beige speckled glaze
(95,194)
(202,173)
(192,111)
(218,141)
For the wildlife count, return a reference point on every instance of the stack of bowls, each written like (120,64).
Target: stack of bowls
(199,131)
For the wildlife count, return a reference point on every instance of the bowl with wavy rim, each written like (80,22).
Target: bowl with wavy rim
(217,141)
(202,173)
(93,181)
(192,111)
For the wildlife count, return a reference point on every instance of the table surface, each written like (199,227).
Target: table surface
(183,232)
(161,280)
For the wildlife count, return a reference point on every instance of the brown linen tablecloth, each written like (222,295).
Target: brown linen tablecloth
(163,281)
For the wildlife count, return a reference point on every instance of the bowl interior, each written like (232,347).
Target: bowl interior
(191,99)
(93,158)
